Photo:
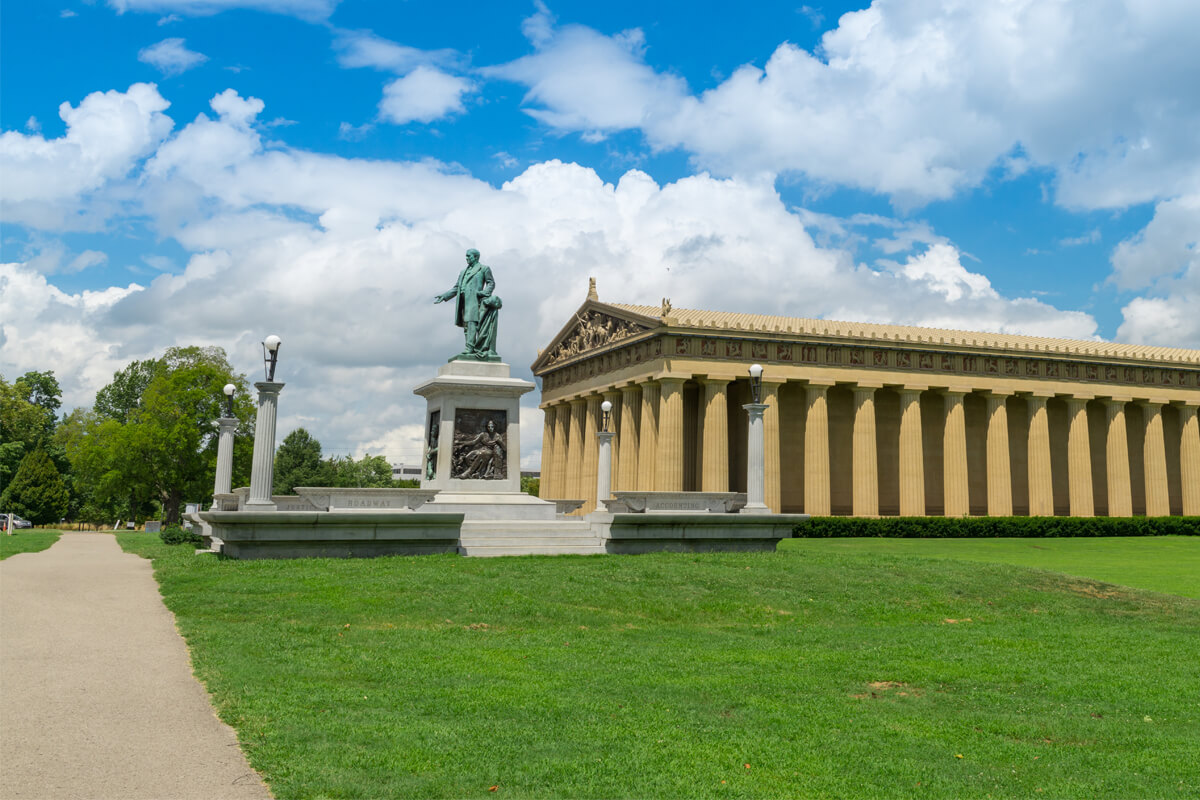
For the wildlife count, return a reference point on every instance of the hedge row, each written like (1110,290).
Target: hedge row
(987,527)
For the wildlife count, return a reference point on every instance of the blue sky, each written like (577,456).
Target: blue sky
(197,171)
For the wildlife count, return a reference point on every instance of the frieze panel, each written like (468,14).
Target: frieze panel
(879,358)
(808,353)
(733,349)
(947,363)
(857,356)
(708,347)
(784,352)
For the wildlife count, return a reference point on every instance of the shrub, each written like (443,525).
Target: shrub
(173,534)
(989,527)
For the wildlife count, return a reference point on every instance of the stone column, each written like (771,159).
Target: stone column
(562,436)
(715,476)
(224,478)
(912,453)
(591,424)
(648,455)
(1079,457)
(613,396)
(999,463)
(574,469)
(865,458)
(816,450)
(755,461)
(262,468)
(954,455)
(604,443)
(1041,486)
(1120,489)
(546,485)
(1154,454)
(773,486)
(627,437)
(668,477)
(1189,459)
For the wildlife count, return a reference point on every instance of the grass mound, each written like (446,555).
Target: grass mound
(794,674)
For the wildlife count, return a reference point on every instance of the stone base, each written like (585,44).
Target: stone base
(333,534)
(493,505)
(687,532)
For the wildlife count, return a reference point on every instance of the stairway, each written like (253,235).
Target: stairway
(481,537)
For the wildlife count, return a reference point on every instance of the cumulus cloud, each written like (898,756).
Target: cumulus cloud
(916,100)
(423,95)
(171,56)
(313,10)
(45,180)
(342,257)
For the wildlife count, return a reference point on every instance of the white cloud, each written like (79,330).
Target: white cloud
(45,179)
(423,95)
(342,257)
(917,100)
(1091,237)
(365,49)
(67,13)
(312,10)
(171,56)
(1163,257)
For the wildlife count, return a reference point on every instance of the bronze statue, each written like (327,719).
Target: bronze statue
(477,310)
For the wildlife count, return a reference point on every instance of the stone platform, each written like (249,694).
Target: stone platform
(333,534)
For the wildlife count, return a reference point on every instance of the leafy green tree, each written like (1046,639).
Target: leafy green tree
(41,389)
(24,425)
(298,463)
(123,396)
(369,472)
(37,492)
(154,433)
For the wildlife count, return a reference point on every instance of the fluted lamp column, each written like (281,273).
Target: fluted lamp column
(262,465)
(604,442)
(755,452)
(226,426)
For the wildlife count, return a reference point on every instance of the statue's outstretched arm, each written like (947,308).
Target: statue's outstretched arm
(444,296)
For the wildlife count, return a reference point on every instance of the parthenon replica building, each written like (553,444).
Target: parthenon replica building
(868,419)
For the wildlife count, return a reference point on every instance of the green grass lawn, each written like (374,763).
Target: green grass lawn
(1162,563)
(26,540)
(805,673)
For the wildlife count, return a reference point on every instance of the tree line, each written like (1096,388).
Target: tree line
(147,445)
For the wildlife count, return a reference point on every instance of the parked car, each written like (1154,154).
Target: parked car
(18,522)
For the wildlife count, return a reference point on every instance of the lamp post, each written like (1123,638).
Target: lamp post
(226,427)
(604,438)
(755,452)
(262,469)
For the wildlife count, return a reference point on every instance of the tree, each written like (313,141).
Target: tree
(37,492)
(298,463)
(24,425)
(369,472)
(154,434)
(41,389)
(123,396)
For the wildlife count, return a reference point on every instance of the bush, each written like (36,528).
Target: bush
(990,527)
(173,534)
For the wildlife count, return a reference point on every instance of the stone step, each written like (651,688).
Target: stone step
(490,550)
(530,541)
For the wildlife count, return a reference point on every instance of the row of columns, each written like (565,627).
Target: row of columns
(649,455)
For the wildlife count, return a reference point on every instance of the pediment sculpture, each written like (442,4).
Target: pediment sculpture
(593,330)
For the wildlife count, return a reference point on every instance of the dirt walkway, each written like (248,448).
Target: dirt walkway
(97,697)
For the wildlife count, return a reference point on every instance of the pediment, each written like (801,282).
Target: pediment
(592,328)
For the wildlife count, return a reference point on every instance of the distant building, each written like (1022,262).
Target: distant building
(869,419)
(400,472)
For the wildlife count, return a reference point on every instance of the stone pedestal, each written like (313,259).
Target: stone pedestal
(262,468)
(477,466)
(755,462)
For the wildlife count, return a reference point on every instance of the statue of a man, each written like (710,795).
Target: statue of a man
(476,311)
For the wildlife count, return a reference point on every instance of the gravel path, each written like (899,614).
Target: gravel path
(97,697)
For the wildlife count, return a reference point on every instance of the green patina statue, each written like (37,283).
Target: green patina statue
(477,310)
